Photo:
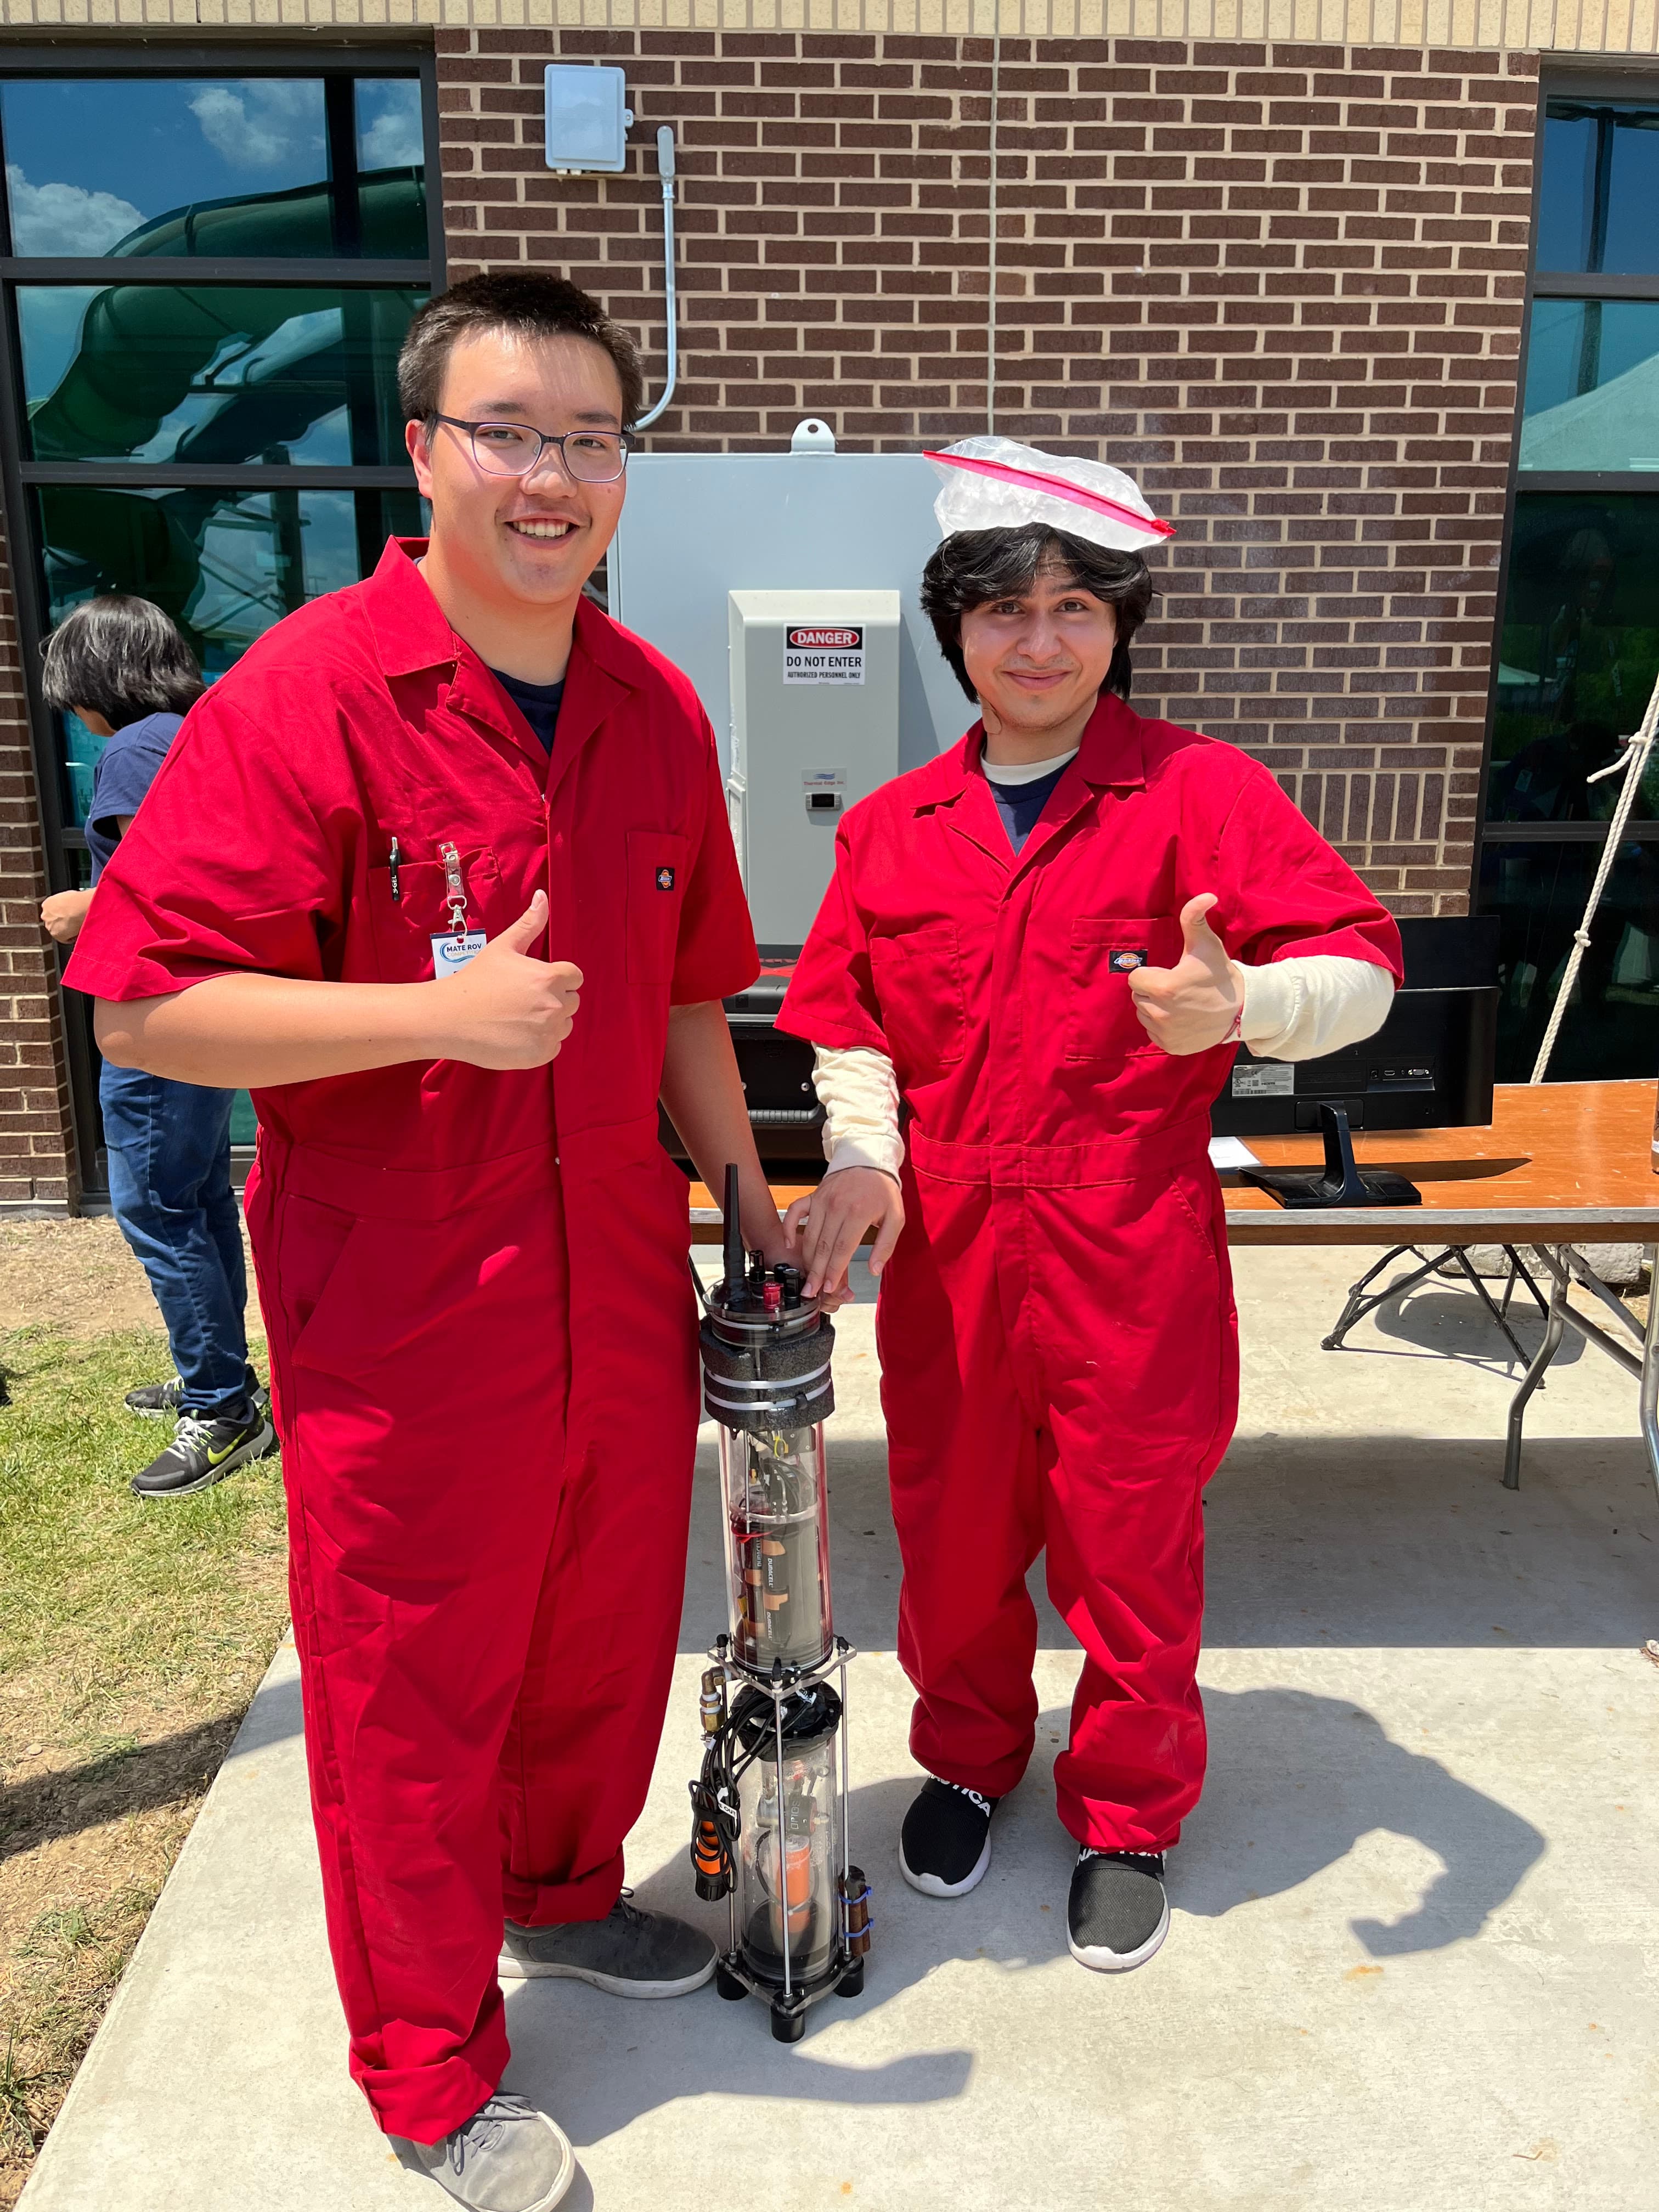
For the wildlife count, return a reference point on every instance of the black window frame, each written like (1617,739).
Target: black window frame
(1559,81)
(336,59)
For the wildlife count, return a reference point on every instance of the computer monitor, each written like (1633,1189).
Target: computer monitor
(1430,1066)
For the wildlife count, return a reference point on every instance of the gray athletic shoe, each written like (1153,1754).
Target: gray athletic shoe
(630,1952)
(509,2157)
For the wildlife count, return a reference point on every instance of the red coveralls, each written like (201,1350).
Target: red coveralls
(482,1337)
(1059,1345)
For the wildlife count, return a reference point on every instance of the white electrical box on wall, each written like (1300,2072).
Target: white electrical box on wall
(588,117)
(815,727)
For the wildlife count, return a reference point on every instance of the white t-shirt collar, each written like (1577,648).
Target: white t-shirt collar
(1027,772)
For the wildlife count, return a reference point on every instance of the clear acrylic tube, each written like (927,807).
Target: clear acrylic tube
(777,1525)
(788,1881)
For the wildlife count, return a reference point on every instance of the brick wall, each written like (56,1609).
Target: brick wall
(1281,284)
(36,1159)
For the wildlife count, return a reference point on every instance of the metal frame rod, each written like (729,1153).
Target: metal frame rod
(846,1792)
(1566,1266)
(1650,1398)
(1592,1282)
(783,1851)
(1553,1332)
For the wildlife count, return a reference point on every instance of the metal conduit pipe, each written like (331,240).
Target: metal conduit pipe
(665,171)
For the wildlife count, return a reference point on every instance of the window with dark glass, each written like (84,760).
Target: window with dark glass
(1577,647)
(207,272)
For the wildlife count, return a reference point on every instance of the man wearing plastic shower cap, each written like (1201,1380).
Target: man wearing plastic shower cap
(1025,985)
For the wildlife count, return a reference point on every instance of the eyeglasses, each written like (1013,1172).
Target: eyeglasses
(513,449)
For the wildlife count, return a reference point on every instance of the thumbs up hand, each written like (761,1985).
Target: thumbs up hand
(1193,1006)
(508,1008)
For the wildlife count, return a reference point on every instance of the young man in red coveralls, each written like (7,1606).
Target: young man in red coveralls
(470,907)
(1045,944)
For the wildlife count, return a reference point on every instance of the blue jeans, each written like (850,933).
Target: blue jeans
(169,1184)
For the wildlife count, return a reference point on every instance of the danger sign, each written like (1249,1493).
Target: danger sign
(824,652)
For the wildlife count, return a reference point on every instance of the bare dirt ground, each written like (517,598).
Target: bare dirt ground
(79,1278)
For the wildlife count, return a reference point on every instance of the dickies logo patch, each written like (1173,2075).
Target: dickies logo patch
(1124,959)
(665,879)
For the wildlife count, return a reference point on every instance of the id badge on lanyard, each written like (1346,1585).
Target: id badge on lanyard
(453,947)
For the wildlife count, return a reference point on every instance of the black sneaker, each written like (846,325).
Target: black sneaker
(1117,1913)
(156,1402)
(202,1453)
(945,1846)
(631,1953)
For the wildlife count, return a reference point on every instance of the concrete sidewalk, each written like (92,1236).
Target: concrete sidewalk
(1416,1919)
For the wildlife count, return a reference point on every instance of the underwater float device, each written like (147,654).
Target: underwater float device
(769,1808)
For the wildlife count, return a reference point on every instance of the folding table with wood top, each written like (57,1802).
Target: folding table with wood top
(1563,1165)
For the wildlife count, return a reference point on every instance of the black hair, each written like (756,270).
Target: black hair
(531,303)
(123,658)
(976,567)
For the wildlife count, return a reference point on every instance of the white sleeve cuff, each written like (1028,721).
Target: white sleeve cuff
(859,1092)
(888,1157)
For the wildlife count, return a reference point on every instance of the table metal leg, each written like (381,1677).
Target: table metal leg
(1473,1274)
(1518,1271)
(1650,1398)
(1359,1305)
(1533,1376)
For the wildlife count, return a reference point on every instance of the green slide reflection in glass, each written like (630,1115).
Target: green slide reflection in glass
(214,374)
(224,167)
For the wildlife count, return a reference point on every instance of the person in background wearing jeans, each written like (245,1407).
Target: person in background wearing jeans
(120,665)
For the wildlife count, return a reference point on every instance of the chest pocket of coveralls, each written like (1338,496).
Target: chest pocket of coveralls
(404,928)
(1103,1025)
(918,980)
(657,865)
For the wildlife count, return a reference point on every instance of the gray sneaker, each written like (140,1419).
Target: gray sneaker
(508,2157)
(630,1952)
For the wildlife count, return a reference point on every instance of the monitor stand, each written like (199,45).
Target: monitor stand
(1340,1182)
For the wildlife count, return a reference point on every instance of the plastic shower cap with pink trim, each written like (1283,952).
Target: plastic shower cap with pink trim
(996,483)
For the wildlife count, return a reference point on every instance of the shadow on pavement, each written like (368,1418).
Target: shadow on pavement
(1295,1780)
(1339,1540)
(1455,1326)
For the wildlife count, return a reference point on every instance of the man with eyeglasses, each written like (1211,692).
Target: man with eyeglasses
(468,909)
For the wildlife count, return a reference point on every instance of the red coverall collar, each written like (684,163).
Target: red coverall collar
(412,634)
(1110,757)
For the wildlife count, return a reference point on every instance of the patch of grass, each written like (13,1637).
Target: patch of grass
(132,1636)
(115,1596)
(64,1971)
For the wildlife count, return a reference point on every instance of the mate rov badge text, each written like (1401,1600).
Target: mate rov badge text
(823,654)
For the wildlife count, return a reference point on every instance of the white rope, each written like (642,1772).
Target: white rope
(1634,763)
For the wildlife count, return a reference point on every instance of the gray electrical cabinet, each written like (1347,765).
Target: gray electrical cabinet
(815,726)
(696,527)
(717,557)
